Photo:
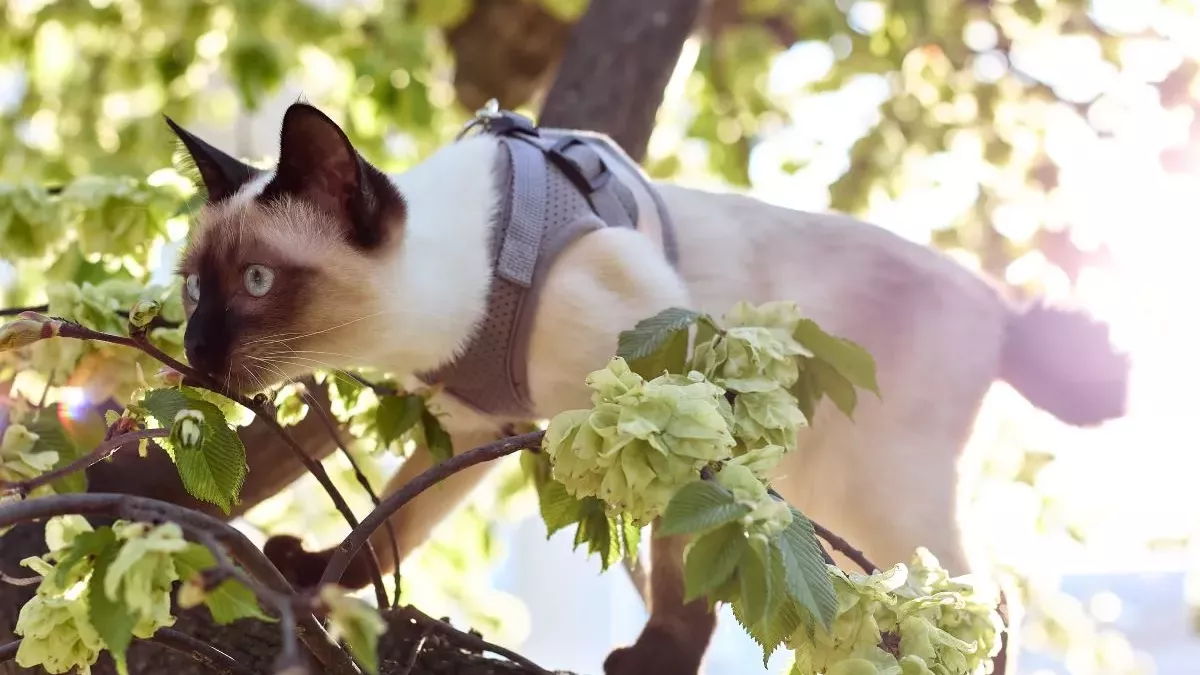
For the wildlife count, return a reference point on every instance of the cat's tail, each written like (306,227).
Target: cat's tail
(1061,361)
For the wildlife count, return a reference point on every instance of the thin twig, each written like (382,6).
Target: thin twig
(283,603)
(262,576)
(416,651)
(470,640)
(9,651)
(366,485)
(13,311)
(842,546)
(209,656)
(360,535)
(102,452)
(20,581)
(139,340)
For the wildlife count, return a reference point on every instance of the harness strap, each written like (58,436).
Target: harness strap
(559,185)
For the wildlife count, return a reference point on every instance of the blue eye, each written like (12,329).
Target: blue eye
(258,280)
(193,287)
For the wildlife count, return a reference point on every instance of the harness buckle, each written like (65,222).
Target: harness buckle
(493,120)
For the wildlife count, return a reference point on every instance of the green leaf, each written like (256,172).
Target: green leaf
(847,357)
(834,385)
(807,390)
(397,415)
(53,437)
(84,545)
(559,509)
(229,601)
(805,570)
(699,506)
(670,358)
(711,560)
(649,335)
(631,537)
(757,594)
(111,618)
(437,440)
(214,473)
(597,530)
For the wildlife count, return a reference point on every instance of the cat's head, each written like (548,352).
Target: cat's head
(278,264)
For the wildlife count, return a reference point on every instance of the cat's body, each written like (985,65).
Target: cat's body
(402,288)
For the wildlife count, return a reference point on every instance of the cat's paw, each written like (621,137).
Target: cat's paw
(658,651)
(303,569)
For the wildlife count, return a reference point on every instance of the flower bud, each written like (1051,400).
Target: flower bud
(169,376)
(188,430)
(28,328)
(191,592)
(143,312)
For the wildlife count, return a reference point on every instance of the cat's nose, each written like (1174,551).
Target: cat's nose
(200,353)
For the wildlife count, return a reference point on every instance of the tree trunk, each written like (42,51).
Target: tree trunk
(611,80)
(613,76)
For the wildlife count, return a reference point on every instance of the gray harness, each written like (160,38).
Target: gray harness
(561,185)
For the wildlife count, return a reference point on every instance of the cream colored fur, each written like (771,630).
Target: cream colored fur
(887,482)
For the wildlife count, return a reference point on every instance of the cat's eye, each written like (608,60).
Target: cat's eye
(258,279)
(192,283)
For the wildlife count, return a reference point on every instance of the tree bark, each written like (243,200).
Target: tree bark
(614,75)
(611,80)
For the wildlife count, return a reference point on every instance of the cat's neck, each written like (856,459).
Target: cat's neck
(434,288)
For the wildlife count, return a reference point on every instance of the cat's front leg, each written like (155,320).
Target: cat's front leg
(412,524)
(676,636)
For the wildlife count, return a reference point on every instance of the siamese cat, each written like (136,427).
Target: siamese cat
(326,262)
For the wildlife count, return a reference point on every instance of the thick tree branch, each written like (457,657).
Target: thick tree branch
(613,78)
(263,576)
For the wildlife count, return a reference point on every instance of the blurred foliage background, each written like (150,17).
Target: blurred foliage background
(1049,143)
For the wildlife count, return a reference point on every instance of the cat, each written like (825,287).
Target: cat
(325,261)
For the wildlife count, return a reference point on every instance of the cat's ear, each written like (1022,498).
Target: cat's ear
(222,175)
(318,164)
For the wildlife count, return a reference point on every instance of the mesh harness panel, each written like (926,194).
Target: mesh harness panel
(558,185)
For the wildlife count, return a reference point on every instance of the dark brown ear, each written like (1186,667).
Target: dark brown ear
(222,175)
(318,164)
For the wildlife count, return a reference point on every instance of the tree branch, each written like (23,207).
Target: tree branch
(615,85)
(842,546)
(263,576)
(138,340)
(202,652)
(100,453)
(485,453)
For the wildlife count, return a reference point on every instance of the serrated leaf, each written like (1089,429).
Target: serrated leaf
(559,508)
(229,601)
(112,619)
(711,560)
(671,357)
(83,545)
(596,530)
(700,506)
(835,386)
(397,415)
(649,335)
(805,570)
(53,437)
(631,537)
(437,440)
(847,357)
(756,594)
(216,471)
